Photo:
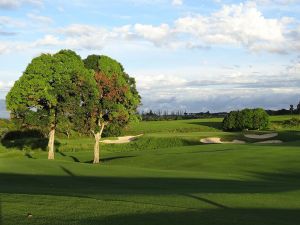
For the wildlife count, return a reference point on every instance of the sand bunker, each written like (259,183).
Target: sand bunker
(217,140)
(270,142)
(261,136)
(121,140)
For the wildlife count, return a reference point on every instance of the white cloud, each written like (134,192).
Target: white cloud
(9,22)
(80,36)
(5,84)
(241,24)
(233,90)
(159,35)
(237,25)
(40,19)
(13,4)
(4,48)
(177,2)
(48,40)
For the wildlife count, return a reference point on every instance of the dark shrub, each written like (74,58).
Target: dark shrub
(246,119)
(21,134)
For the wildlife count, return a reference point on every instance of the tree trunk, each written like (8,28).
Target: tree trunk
(97,148)
(51,144)
(97,145)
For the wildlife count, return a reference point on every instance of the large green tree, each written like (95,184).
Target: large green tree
(50,92)
(118,98)
(246,119)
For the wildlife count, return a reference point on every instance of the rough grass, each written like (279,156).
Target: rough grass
(278,122)
(165,177)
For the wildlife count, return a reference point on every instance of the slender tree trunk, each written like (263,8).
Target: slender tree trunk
(97,148)
(51,143)
(68,134)
(97,145)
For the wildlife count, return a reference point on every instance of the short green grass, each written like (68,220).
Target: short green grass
(176,126)
(165,177)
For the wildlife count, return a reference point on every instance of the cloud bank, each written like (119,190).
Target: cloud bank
(238,25)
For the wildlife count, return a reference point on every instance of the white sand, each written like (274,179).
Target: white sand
(270,142)
(122,140)
(262,136)
(217,140)
(211,140)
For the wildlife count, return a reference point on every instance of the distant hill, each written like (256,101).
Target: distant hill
(3,111)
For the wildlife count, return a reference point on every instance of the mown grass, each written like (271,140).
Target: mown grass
(175,126)
(165,177)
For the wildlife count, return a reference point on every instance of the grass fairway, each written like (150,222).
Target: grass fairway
(165,177)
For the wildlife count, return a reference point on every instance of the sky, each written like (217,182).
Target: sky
(191,55)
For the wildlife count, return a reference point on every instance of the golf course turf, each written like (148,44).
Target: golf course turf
(164,177)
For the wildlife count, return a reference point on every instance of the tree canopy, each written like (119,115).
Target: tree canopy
(118,97)
(251,119)
(63,92)
(50,92)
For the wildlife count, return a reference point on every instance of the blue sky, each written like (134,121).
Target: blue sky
(185,54)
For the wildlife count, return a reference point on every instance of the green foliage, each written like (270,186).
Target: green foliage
(92,62)
(5,126)
(118,97)
(110,66)
(260,119)
(251,119)
(292,123)
(51,91)
(113,130)
(230,121)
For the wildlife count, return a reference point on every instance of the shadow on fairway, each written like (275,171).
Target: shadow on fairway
(85,186)
(248,216)
(1,215)
(215,125)
(27,139)
(108,159)
(289,136)
(75,159)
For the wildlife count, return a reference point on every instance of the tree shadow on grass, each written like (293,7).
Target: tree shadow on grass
(89,185)
(289,136)
(94,188)
(189,142)
(75,159)
(27,139)
(108,159)
(215,125)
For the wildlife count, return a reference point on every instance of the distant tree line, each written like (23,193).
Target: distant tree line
(161,115)
(177,115)
(292,110)
(251,119)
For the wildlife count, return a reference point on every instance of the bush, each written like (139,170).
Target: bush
(251,119)
(294,122)
(22,134)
